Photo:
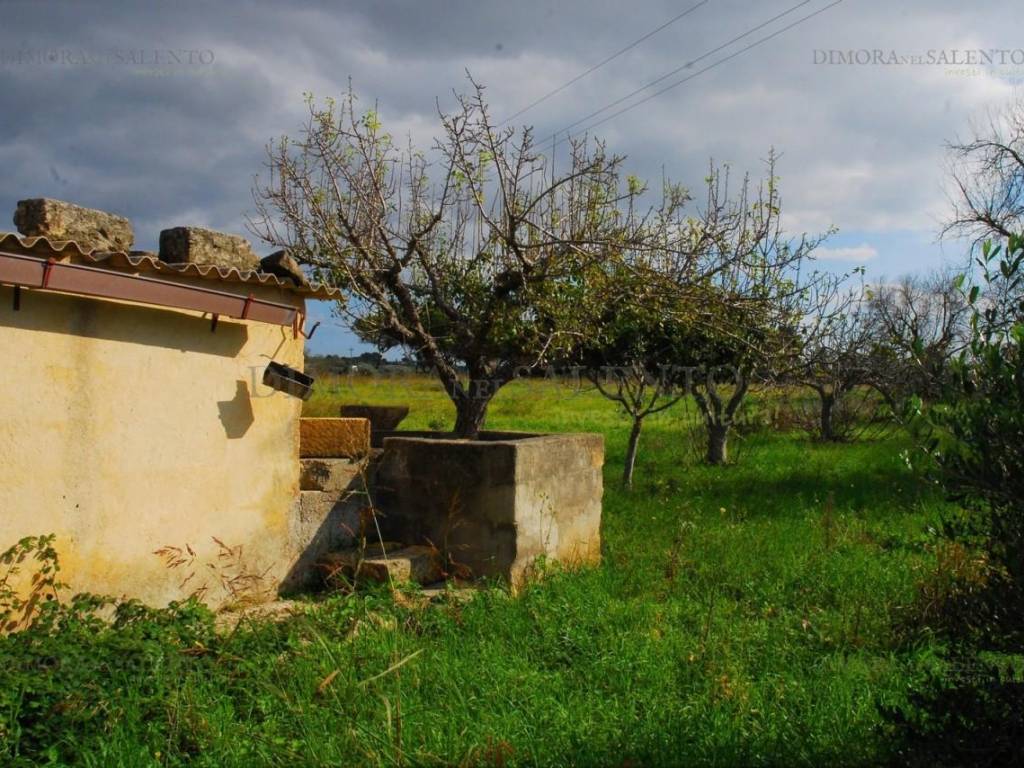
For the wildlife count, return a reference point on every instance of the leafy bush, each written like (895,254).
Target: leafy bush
(975,435)
(974,722)
(20,604)
(57,671)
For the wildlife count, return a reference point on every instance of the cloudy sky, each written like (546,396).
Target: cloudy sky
(161,110)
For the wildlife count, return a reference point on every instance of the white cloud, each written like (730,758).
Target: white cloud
(858,253)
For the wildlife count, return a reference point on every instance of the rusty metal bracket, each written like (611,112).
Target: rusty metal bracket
(48,271)
(213,322)
(17,298)
(298,327)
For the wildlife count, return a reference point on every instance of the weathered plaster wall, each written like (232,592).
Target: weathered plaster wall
(559,487)
(126,428)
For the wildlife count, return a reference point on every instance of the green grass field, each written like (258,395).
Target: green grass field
(745,615)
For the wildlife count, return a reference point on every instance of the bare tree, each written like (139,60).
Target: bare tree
(836,360)
(473,256)
(919,325)
(749,324)
(987,172)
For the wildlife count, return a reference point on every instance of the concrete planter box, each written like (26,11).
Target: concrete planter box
(495,504)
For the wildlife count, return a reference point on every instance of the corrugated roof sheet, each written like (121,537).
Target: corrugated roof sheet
(149,263)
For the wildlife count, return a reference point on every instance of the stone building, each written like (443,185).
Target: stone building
(133,415)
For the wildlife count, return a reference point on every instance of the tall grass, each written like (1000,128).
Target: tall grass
(743,615)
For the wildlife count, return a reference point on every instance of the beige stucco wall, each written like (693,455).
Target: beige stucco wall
(127,428)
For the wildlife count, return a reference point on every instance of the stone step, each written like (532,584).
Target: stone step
(322,522)
(400,563)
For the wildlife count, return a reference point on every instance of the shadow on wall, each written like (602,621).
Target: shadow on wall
(236,414)
(128,323)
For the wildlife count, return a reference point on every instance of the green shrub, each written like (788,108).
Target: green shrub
(62,669)
(975,598)
(976,437)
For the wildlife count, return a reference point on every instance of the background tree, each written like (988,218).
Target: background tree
(473,256)
(748,323)
(987,173)
(717,363)
(837,359)
(919,325)
(633,343)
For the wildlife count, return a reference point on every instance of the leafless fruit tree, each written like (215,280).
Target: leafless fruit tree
(920,324)
(987,173)
(473,255)
(758,305)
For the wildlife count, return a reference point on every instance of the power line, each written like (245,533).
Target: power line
(687,65)
(699,72)
(601,63)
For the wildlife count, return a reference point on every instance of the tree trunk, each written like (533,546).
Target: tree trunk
(718,445)
(827,405)
(472,399)
(470,415)
(631,450)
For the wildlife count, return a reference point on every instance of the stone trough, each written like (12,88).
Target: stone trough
(494,505)
(382,418)
(448,508)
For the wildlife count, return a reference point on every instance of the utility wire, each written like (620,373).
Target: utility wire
(687,65)
(699,72)
(601,63)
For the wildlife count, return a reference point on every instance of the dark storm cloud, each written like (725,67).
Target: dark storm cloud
(161,110)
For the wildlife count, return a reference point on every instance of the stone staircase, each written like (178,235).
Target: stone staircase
(334,514)
(327,515)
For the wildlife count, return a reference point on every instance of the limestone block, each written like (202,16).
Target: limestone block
(330,519)
(195,245)
(57,220)
(281,264)
(420,564)
(334,438)
(320,523)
